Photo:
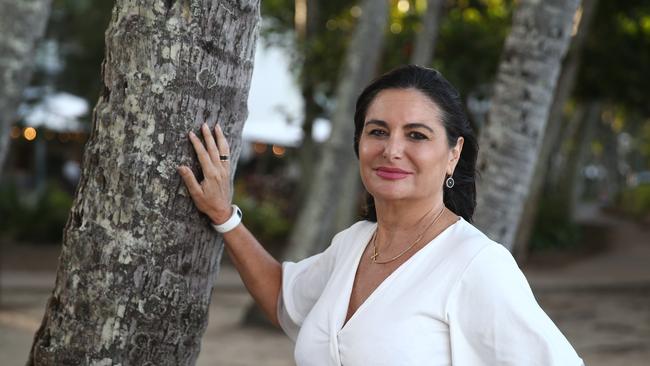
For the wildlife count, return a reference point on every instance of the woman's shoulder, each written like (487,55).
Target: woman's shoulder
(358,228)
(469,241)
(355,233)
(485,250)
(487,262)
(470,250)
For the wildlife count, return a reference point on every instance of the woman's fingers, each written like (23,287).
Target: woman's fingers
(213,150)
(191,183)
(224,149)
(204,157)
(212,195)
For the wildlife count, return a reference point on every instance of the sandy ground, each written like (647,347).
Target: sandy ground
(601,303)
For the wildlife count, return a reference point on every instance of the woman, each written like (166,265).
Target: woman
(413,284)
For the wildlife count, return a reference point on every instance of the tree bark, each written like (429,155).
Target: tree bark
(425,40)
(334,180)
(553,129)
(22,24)
(510,140)
(138,261)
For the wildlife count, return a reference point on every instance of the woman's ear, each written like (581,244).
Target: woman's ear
(454,155)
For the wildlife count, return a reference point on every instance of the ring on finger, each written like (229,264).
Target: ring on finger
(224,157)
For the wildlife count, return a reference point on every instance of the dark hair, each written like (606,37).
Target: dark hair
(461,199)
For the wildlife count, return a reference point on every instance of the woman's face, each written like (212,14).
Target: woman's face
(403,148)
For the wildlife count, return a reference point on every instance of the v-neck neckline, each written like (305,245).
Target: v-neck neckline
(343,324)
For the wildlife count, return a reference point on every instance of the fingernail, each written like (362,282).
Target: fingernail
(204,124)
(191,133)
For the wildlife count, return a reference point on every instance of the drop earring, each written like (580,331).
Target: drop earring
(449,182)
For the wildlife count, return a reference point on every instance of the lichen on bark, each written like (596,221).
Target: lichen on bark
(138,261)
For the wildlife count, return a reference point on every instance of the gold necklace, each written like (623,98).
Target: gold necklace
(414,226)
(375,252)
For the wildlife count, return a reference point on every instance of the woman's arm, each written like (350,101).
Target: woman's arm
(261,273)
(494,318)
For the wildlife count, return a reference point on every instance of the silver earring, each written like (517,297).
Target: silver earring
(449,182)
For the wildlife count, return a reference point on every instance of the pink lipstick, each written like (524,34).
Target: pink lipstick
(391,173)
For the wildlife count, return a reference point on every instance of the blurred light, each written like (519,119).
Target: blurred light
(355,11)
(628,25)
(395,28)
(15,132)
(576,21)
(471,15)
(645,24)
(300,16)
(403,6)
(29,133)
(321,129)
(278,150)
(420,6)
(259,148)
(331,24)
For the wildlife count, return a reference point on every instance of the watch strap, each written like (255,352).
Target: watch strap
(231,223)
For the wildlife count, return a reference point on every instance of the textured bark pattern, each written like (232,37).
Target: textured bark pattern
(554,127)
(138,261)
(510,141)
(22,23)
(333,186)
(425,40)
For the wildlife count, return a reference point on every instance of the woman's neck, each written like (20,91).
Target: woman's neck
(398,217)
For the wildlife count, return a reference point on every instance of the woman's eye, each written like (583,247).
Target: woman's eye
(417,136)
(377,132)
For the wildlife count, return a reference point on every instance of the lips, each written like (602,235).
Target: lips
(391,173)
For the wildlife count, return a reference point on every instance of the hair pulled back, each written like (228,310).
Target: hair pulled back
(461,199)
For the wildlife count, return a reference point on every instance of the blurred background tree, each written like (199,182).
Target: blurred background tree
(21,25)
(610,95)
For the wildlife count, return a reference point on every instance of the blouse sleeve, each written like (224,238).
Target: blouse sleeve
(302,284)
(494,318)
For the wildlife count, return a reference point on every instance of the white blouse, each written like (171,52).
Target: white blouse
(459,300)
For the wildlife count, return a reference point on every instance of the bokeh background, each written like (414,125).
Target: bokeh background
(588,254)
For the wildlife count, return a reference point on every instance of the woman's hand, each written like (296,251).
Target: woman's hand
(212,195)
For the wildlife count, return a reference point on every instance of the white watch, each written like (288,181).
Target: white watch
(231,223)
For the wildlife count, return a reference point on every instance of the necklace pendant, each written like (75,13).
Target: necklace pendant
(374,257)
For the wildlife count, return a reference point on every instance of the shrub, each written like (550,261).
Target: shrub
(635,201)
(34,216)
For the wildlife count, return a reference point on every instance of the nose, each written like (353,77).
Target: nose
(394,148)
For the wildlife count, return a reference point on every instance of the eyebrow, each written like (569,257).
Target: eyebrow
(381,123)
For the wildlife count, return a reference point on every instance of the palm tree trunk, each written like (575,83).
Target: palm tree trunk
(510,141)
(554,128)
(138,261)
(22,24)
(425,40)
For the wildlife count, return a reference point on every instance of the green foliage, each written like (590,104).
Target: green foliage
(553,228)
(263,215)
(616,59)
(468,48)
(33,217)
(317,57)
(636,201)
(471,39)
